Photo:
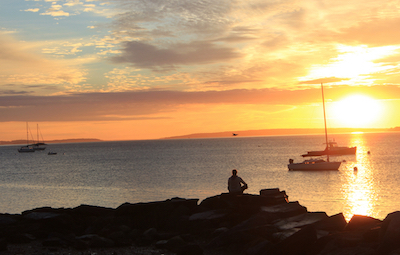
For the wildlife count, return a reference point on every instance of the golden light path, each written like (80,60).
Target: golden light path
(359,190)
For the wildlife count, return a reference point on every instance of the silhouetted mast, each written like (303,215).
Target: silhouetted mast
(326,130)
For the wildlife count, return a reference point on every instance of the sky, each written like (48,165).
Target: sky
(148,69)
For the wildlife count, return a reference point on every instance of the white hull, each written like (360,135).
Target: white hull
(314,166)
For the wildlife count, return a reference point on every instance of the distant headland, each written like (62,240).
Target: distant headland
(289,131)
(76,140)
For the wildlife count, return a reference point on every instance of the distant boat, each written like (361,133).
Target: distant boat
(316,164)
(234,134)
(27,148)
(52,153)
(39,145)
(332,149)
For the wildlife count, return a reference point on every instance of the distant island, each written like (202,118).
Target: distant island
(289,131)
(76,140)
(242,133)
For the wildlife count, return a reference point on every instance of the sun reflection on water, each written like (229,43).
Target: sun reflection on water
(359,190)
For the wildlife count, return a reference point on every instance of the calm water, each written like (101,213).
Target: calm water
(111,173)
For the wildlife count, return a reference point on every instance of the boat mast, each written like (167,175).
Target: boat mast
(27,134)
(326,130)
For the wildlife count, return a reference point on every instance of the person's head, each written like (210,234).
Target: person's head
(234,172)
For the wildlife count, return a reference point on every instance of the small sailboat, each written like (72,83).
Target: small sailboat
(316,164)
(38,146)
(27,148)
(332,149)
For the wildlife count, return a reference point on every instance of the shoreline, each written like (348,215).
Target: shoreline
(249,224)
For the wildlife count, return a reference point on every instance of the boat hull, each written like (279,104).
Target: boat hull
(332,152)
(26,149)
(314,166)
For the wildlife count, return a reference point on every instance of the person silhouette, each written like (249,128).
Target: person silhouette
(235,186)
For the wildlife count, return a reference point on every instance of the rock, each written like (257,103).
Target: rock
(301,220)
(175,243)
(265,224)
(208,215)
(53,242)
(190,249)
(6,220)
(333,223)
(284,210)
(95,241)
(299,243)
(3,245)
(275,196)
(151,234)
(390,233)
(361,222)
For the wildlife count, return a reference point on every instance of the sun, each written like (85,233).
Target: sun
(357,111)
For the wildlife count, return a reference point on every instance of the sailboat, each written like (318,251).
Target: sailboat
(316,164)
(332,149)
(27,148)
(38,146)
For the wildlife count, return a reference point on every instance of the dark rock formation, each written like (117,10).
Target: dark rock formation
(245,224)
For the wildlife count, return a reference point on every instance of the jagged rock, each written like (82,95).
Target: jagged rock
(259,248)
(299,243)
(159,215)
(333,223)
(208,215)
(90,210)
(301,220)
(275,196)
(232,224)
(361,222)
(390,233)
(284,210)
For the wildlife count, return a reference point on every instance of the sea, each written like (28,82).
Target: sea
(111,173)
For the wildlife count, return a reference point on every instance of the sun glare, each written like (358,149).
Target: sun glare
(356,111)
(354,63)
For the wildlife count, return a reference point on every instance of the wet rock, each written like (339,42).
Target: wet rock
(361,222)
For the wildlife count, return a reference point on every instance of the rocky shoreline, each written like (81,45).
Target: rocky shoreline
(264,224)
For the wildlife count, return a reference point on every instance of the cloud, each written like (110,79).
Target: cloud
(133,105)
(376,32)
(145,55)
(55,11)
(20,64)
(32,10)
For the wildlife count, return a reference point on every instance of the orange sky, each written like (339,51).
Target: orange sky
(131,69)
